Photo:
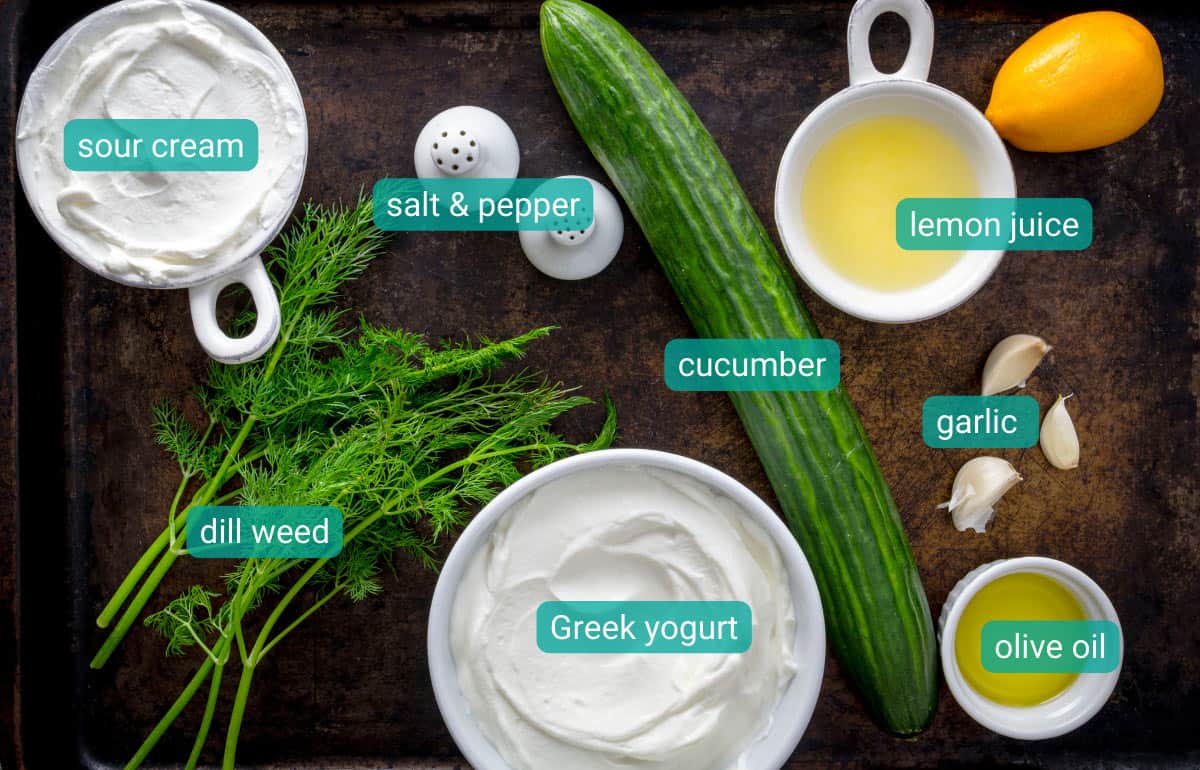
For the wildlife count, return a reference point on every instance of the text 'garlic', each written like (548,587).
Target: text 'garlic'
(1059,441)
(978,486)
(1011,362)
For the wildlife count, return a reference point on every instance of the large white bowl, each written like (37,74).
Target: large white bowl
(794,709)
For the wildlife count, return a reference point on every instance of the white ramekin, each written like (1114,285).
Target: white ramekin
(1064,712)
(794,709)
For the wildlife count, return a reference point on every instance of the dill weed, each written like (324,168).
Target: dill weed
(406,438)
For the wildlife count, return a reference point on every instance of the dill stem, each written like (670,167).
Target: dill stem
(301,618)
(204,496)
(229,762)
(173,713)
(219,478)
(168,536)
(217,661)
(171,525)
(210,708)
(222,648)
(237,469)
(229,759)
(282,568)
(468,460)
(143,563)
(134,609)
(131,580)
(225,497)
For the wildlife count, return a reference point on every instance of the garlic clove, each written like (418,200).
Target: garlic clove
(1011,362)
(978,486)
(1059,441)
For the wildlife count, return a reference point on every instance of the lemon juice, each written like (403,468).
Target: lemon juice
(851,188)
(1019,596)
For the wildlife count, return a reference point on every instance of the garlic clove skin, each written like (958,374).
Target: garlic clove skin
(1058,439)
(978,486)
(1011,362)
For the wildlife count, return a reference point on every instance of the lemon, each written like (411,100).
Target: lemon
(1082,82)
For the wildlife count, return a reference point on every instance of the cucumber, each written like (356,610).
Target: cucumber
(732,283)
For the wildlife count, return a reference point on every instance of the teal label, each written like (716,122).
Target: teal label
(645,627)
(752,364)
(264,531)
(1051,646)
(980,422)
(160,144)
(1015,224)
(483,204)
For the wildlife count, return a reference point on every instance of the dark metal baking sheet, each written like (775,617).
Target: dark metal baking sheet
(84,487)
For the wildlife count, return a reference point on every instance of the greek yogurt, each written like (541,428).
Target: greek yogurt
(621,533)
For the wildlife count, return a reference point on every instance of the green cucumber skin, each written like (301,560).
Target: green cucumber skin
(732,282)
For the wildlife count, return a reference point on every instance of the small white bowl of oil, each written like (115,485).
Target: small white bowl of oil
(886,137)
(1027,706)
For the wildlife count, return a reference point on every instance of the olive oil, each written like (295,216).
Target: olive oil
(1019,596)
(851,188)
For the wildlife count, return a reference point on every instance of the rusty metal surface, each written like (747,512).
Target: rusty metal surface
(351,689)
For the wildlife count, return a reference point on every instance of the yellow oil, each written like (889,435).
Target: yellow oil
(851,188)
(1019,596)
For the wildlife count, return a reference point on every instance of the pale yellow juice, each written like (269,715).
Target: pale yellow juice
(851,188)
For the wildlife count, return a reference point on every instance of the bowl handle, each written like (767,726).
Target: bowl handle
(919,18)
(218,344)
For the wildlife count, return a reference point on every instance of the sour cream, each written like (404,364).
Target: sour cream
(621,533)
(161,59)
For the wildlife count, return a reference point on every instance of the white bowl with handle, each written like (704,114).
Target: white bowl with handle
(205,282)
(873,94)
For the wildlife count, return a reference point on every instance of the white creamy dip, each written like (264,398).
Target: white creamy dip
(161,59)
(621,533)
